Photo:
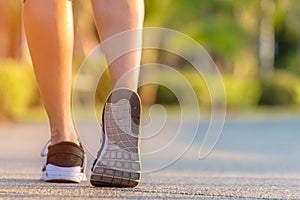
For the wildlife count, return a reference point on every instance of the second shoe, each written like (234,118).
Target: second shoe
(118,161)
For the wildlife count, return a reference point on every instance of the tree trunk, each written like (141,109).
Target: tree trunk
(267,39)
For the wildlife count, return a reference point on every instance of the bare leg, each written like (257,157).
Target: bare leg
(116,16)
(49,30)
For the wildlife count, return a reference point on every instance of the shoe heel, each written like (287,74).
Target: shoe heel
(114,178)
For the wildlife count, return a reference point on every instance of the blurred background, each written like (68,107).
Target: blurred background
(255,44)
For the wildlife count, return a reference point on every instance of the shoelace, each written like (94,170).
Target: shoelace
(44,153)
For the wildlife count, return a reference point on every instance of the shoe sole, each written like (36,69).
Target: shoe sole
(118,164)
(55,174)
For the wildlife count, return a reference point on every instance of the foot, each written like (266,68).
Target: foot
(118,161)
(65,163)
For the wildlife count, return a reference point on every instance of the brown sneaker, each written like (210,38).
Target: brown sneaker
(65,163)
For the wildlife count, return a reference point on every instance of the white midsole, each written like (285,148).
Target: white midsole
(53,172)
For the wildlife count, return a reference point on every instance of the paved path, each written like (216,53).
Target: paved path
(254,159)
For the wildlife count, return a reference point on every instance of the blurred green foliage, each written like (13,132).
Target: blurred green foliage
(104,88)
(18,89)
(19,92)
(240,93)
(214,24)
(230,30)
(280,89)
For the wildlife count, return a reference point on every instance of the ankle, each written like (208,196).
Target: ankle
(62,130)
(57,137)
(55,140)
